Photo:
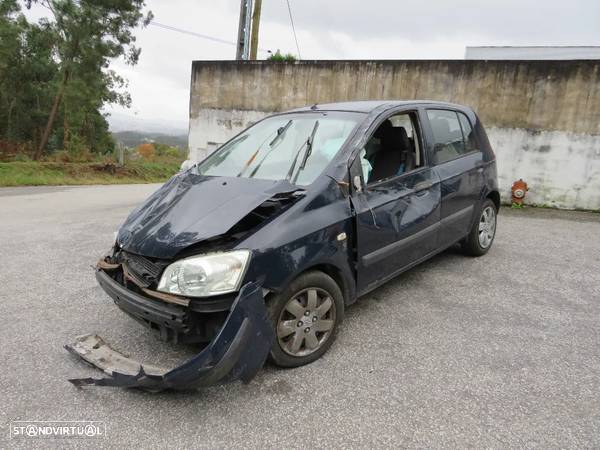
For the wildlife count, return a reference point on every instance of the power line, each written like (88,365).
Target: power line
(293,28)
(192,33)
(198,35)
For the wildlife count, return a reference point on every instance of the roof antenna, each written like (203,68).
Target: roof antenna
(313,107)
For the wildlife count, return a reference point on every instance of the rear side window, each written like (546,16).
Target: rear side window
(468,135)
(452,133)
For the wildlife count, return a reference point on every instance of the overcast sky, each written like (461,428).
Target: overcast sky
(338,29)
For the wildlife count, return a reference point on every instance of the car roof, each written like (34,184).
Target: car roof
(367,106)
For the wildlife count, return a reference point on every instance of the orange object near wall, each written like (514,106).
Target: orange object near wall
(519,189)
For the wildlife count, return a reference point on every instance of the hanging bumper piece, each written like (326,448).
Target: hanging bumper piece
(237,353)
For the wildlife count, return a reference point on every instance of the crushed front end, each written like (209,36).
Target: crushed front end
(131,281)
(237,353)
(176,268)
(236,327)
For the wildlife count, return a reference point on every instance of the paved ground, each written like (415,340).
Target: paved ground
(500,351)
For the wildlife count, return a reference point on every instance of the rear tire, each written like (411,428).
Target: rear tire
(482,234)
(305,316)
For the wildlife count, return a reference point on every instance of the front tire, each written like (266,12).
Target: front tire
(483,232)
(305,316)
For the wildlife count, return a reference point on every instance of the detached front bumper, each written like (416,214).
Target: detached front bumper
(237,353)
(163,315)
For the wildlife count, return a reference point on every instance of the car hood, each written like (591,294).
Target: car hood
(191,208)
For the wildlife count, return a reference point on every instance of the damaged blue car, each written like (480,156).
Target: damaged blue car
(257,250)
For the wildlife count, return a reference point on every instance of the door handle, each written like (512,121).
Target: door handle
(422,186)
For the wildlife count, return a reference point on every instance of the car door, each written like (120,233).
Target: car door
(397,219)
(457,161)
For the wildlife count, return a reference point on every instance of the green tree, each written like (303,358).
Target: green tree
(88,34)
(27,73)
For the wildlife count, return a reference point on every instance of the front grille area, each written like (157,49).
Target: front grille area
(142,268)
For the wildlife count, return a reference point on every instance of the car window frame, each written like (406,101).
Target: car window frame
(432,144)
(418,128)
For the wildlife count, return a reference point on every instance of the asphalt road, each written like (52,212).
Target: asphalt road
(499,351)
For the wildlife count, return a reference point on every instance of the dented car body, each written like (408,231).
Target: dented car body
(358,193)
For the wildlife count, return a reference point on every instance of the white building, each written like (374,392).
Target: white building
(533,53)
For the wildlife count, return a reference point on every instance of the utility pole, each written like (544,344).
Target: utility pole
(241,31)
(243,41)
(255,27)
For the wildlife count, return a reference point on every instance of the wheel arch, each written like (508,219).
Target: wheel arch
(337,274)
(495,197)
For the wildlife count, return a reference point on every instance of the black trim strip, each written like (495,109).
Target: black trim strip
(374,285)
(394,247)
(457,216)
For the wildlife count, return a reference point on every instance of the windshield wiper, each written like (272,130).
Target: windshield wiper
(280,133)
(255,154)
(308,143)
(309,146)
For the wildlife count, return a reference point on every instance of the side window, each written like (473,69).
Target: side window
(393,149)
(452,133)
(468,135)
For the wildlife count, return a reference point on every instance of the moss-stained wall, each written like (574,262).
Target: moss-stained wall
(538,95)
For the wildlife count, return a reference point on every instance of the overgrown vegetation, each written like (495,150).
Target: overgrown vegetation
(147,164)
(280,57)
(43,173)
(55,77)
(55,74)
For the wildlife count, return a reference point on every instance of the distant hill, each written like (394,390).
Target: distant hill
(135,138)
(120,121)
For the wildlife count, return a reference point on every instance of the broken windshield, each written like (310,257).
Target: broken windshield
(296,147)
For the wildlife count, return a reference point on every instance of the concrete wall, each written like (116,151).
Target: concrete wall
(543,117)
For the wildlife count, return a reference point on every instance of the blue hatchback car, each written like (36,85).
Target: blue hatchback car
(258,249)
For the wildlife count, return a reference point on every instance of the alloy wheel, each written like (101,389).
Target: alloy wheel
(487,227)
(306,322)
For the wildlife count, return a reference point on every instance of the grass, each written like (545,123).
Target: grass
(31,173)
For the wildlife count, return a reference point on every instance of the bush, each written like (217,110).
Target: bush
(279,57)
(167,151)
(146,151)
(74,155)
(21,157)
(58,156)
(35,173)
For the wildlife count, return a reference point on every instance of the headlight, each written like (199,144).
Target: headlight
(205,275)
